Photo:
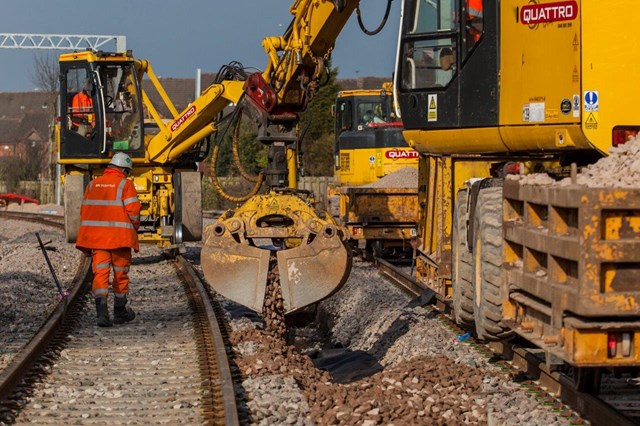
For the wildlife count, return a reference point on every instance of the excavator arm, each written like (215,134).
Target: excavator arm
(276,253)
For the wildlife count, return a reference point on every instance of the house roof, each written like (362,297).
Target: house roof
(181,91)
(14,130)
(17,104)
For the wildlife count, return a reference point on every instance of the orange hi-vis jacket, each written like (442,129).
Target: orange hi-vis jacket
(475,8)
(110,213)
(82,109)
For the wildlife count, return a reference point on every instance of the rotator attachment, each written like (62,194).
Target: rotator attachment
(313,258)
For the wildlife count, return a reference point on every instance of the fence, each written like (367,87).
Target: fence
(44,191)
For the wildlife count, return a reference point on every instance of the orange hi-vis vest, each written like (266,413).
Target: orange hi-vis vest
(82,109)
(110,213)
(474,8)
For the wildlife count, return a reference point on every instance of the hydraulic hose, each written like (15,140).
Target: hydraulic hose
(382,24)
(221,191)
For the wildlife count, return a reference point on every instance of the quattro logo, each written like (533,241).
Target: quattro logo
(180,121)
(533,14)
(396,154)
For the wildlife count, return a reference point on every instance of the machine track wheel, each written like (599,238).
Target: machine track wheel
(587,379)
(462,272)
(487,266)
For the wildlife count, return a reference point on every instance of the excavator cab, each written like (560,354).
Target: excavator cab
(100,110)
(447,66)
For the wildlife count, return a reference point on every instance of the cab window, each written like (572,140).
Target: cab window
(80,113)
(343,116)
(371,113)
(121,107)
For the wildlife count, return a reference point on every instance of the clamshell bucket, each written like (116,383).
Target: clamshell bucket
(313,258)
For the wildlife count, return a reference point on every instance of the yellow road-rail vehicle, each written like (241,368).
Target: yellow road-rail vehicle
(278,233)
(369,146)
(492,88)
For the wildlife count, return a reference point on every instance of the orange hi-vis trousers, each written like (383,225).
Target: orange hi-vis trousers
(102,262)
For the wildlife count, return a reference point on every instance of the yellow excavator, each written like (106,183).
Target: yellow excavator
(273,236)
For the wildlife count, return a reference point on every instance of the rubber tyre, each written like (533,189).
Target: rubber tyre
(73,191)
(487,266)
(462,271)
(188,215)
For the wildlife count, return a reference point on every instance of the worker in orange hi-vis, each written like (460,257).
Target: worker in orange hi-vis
(475,14)
(109,220)
(82,116)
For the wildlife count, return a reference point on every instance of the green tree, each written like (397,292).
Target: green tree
(253,154)
(317,144)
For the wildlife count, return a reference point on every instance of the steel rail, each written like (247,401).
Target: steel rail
(43,218)
(221,361)
(14,373)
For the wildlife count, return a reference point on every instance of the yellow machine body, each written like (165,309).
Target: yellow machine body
(545,85)
(369,146)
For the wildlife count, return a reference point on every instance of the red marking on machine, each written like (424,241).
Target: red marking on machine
(180,121)
(534,14)
(260,92)
(396,154)
(395,124)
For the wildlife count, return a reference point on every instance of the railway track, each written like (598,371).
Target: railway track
(618,401)
(167,366)
(56,221)
(129,363)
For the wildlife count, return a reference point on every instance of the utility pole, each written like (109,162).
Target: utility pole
(60,42)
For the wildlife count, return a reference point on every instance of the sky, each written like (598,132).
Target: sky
(178,37)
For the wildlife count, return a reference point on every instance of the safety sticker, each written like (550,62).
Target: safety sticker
(591,123)
(565,106)
(576,106)
(432,113)
(591,101)
(372,159)
(536,112)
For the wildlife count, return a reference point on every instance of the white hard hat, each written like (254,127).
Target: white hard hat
(121,159)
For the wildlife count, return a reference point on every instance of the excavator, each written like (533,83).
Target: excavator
(275,249)
(368,145)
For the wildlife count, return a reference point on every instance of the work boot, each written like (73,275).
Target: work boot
(102,312)
(121,312)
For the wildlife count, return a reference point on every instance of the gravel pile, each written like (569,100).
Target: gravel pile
(403,178)
(428,376)
(29,293)
(620,169)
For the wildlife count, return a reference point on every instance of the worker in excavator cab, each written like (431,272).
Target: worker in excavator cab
(474,25)
(109,220)
(82,116)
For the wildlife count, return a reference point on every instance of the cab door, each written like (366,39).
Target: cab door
(81,120)
(446,70)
